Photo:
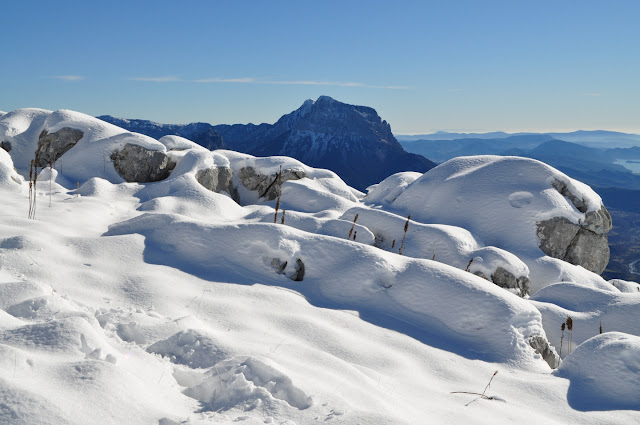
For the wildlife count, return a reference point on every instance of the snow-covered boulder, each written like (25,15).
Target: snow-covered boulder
(390,188)
(518,204)
(450,245)
(604,373)
(8,175)
(589,308)
(82,147)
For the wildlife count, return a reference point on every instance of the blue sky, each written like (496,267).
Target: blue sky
(423,65)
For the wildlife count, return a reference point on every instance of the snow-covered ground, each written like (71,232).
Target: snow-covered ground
(168,303)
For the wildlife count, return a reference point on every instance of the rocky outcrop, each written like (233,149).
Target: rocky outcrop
(267,185)
(6,146)
(585,243)
(51,146)
(505,279)
(542,347)
(137,164)
(218,179)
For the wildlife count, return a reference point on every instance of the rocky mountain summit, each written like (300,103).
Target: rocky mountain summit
(351,140)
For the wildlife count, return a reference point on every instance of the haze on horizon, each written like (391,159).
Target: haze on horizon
(425,66)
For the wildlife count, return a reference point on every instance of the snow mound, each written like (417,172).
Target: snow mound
(248,383)
(589,308)
(192,348)
(446,244)
(508,202)
(350,275)
(604,373)
(9,178)
(178,143)
(390,188)
(486,194)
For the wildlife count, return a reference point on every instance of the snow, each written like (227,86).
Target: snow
(166,303)
(500,200)
(604,373)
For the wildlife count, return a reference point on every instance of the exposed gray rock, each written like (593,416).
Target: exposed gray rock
(218,180)
(589,250)
(542,347)
(298,276)
(137,164)
(579,203)
(598,222)
(51,146)
(556,235)
(267,185)
(278,265)
(584,244)
(506,279)
(6,146)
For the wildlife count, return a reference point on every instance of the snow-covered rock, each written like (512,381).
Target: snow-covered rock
(181,301)
(518,204)
(603,372)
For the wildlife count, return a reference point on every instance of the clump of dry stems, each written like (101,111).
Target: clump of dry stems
(353,226)
(33,179)
(404,237)
(570,329)
(279,180)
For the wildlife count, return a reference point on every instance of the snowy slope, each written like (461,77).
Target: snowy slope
(168,303)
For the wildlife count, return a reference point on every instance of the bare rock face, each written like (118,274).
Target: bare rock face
(542,347)
(267,185)
(506,279)
(6,146)
(218,180)
(584,244)
(51,146)
(137,164)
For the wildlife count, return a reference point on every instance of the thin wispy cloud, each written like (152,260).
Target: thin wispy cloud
(225,80)
(252,80)
(165,79)
(69,77)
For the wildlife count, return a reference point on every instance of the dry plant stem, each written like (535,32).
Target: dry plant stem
(283,213)
(50,177)
(562,327)
(570,329)
(353,226)
(393,244)
(354,235)
(483,392)
(404,237)
(601,327)
(468,265)
(279,180)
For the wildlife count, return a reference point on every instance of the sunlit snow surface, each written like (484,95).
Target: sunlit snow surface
(159,303)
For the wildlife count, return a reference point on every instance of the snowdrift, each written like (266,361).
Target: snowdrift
(170,284)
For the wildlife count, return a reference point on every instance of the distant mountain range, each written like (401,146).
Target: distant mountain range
(597,138)
(352,141)
(597,167)
(201,133)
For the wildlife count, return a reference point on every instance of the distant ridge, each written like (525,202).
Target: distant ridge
(201,133)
